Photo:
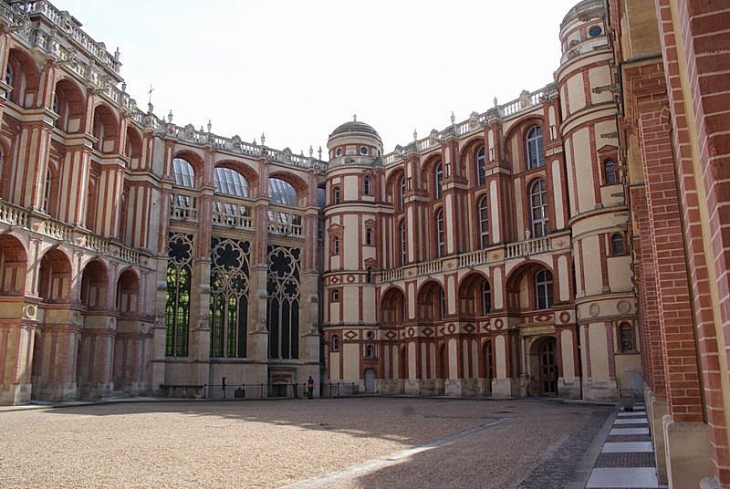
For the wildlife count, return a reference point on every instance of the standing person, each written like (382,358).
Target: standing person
(310,387)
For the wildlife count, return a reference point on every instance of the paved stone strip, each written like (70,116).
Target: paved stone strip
(626,463)
(388,460)
(560,469)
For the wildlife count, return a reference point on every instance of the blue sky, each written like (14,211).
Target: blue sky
(297,69)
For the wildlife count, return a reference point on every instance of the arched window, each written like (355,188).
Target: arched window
(543,289)
(336,245)
(369,351)
(229,287)
(282,192)
(335,343)
(538,208)
(440,234)
(402,194)
(483,222)
(481,166)
(609,172)
(626,338)
(184,173)
(486,298)
(535,152)
(617,244)
(230,182)
(177,302)
(403,242)
(335,195)
(438,177)
(366,184)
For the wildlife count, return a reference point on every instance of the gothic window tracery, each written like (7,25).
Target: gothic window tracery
(229,287)
(177,303)
(283,302)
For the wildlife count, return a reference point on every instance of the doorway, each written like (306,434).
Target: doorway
(548,368)
(369,381)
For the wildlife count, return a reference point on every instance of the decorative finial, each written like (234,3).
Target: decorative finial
(124,86)
(150,107)
(311,151)
(263,139)
(254,142)
(169,117)
(210,125)
(354,117)
(117,53)
(496,103)
(415,135)
(319,151)
(453,119)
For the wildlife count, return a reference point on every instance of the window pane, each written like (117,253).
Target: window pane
(184,174)
(281,192)
(228,181)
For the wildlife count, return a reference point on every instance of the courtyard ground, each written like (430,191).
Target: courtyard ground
(367,442)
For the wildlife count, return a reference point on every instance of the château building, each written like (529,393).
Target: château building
(568,243)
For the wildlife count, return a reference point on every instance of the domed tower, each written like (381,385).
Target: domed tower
(605,302)
(354,191)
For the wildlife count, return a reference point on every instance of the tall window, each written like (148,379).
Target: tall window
(486,298)
(403,242)
(402,194)
(442,304)
(626,338)
(483,209)
(366,185)
(336,195)
(440,233)
(9,78)
(184,173)
(543,289)
(282,308)
(228,312)
(538,208)
(438,178)
(336,245)
(47,192)
(368,237)
(335,343)
(177,303)
(617,244)
(230,182)
(535,152)
(609,172)
(481,166)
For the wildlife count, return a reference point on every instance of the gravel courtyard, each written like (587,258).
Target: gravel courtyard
(342,443)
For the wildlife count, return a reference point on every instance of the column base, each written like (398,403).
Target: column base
(688,452)
(15,394)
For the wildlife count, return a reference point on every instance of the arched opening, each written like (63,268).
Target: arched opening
(22,76)
(105,129)
(544,367)
(530,288)
(13,264)
(94,286)
(475,297)
(54,284)
(68,103)
(127,301)
(431,303)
